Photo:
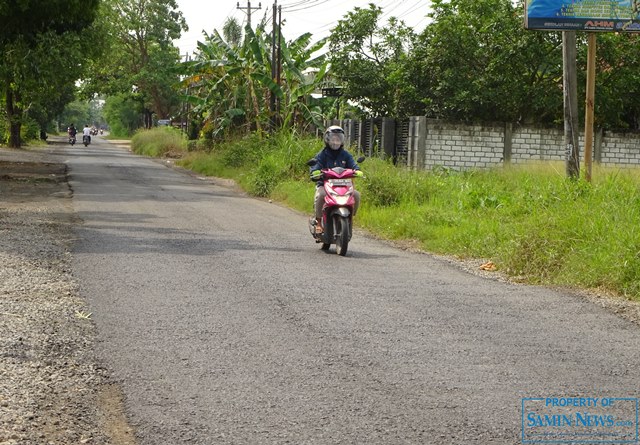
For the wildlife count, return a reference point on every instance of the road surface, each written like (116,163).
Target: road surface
(225,323)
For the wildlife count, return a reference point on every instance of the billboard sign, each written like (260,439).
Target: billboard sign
(583,15)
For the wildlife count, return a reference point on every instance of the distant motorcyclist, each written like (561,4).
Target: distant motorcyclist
(71,132)
(332,155)
(86,133)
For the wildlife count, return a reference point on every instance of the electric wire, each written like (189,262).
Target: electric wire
(302,12)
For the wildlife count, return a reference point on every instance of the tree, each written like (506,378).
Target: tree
(76,112)
(477,62)
(27,19)
(31,32)
(617,103)
(367,60)
(232,31)
(142,59)
(122,112)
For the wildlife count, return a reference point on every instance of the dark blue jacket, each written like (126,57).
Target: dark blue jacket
(328,158)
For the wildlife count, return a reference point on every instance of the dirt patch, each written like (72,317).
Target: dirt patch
(112,418)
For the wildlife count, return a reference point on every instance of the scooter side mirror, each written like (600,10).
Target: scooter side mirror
(360,159)
(311,162)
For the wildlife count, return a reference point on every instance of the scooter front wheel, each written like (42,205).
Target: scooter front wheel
(341,227)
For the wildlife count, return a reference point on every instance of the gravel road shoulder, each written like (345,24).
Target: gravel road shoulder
(51,389)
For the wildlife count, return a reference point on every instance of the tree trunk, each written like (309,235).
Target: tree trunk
(14,117)
(148,119)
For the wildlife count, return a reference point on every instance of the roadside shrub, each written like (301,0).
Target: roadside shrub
(266,176)
(241,152)
(30,130)
(283,159)
(383,185)
(159,142)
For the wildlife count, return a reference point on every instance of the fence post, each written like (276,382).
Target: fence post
(597,147)
(508,143)
(422,142)
(417,143)
(388,137)
(349,133)
(412,147)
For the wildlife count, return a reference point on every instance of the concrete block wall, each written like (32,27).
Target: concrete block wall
(620,149)
(463,146)
(537,144)
(476,146)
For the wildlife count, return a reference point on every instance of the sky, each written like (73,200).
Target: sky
(299,16)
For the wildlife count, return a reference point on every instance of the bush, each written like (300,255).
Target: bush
(159,142)
(30,130)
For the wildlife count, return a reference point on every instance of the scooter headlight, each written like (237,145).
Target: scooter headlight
(341,200)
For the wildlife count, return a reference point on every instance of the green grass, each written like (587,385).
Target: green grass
(159,142)
(531,221)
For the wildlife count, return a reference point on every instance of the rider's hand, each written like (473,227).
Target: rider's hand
(358,174)
(315,175)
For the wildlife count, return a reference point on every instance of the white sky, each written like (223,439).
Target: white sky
(300,16)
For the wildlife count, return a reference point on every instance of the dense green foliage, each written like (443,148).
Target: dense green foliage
(370,62)
(478,63)
(142,61)
(617,102)
(81,112)
(232,87)
(122,112)
(38,41)
(475,61)
(28,19)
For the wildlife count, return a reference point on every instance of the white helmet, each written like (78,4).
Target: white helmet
(334,137)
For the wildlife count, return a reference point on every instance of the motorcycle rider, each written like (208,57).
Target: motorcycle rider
(86,133)
(332,155)
(71,131)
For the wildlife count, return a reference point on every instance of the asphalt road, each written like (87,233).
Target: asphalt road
(225,323)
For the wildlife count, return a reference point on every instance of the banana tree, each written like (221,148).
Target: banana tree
(231,83)
(302,75)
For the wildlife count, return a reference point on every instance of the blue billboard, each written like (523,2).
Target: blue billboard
(583,15)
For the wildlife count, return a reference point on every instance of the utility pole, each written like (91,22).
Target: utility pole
(249,8)
(570,90)
(276,64)
(279,64)
(272,98)
(184,123)
(589,105)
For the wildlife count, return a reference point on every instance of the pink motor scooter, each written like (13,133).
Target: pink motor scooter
(337,210)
